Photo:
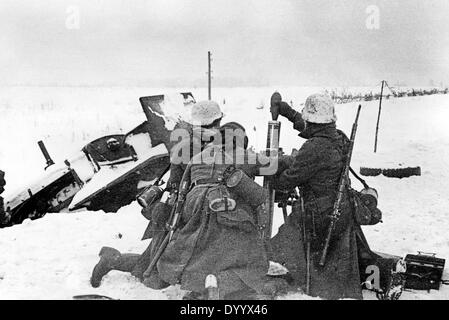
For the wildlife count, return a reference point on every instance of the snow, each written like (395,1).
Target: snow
(172,112)
(34,187)
(141,143)
(53,257)
(107,175)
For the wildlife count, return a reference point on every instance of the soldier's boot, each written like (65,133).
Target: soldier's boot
(112,259)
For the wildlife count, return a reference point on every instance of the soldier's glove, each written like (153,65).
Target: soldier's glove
(282,108)
(286,111)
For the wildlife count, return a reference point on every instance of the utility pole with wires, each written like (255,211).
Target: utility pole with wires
(209,75)
(378,115)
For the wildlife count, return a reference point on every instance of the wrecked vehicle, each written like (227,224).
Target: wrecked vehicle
(107,173)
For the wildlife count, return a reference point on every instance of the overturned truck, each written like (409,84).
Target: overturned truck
(107,173)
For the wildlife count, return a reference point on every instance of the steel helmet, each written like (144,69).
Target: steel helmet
(319,108)
(204,113)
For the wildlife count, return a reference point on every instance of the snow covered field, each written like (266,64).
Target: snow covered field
(52,258)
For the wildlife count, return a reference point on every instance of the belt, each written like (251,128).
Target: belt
(201,182)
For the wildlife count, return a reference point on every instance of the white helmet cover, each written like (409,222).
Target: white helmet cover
(205,113)
(319,108)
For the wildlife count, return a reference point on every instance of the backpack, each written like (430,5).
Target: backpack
(365,211)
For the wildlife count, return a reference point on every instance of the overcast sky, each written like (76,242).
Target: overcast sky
(259,42)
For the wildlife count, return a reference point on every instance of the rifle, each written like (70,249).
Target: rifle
(174,220)
(341,188)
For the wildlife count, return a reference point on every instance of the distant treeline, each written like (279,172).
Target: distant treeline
(346,97)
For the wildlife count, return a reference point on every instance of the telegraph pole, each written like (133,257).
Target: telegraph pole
(209,75)
(378,115)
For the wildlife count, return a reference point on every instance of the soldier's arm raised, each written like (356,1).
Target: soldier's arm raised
(284,109)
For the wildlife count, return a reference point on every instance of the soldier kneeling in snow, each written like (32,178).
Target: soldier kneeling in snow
(207,116)
(316,171)
(219,228)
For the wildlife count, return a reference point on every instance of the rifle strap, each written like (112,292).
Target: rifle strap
(159,178)
(365,185)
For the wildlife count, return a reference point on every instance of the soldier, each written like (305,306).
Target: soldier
(219,228)
(316,170)
(205,118)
